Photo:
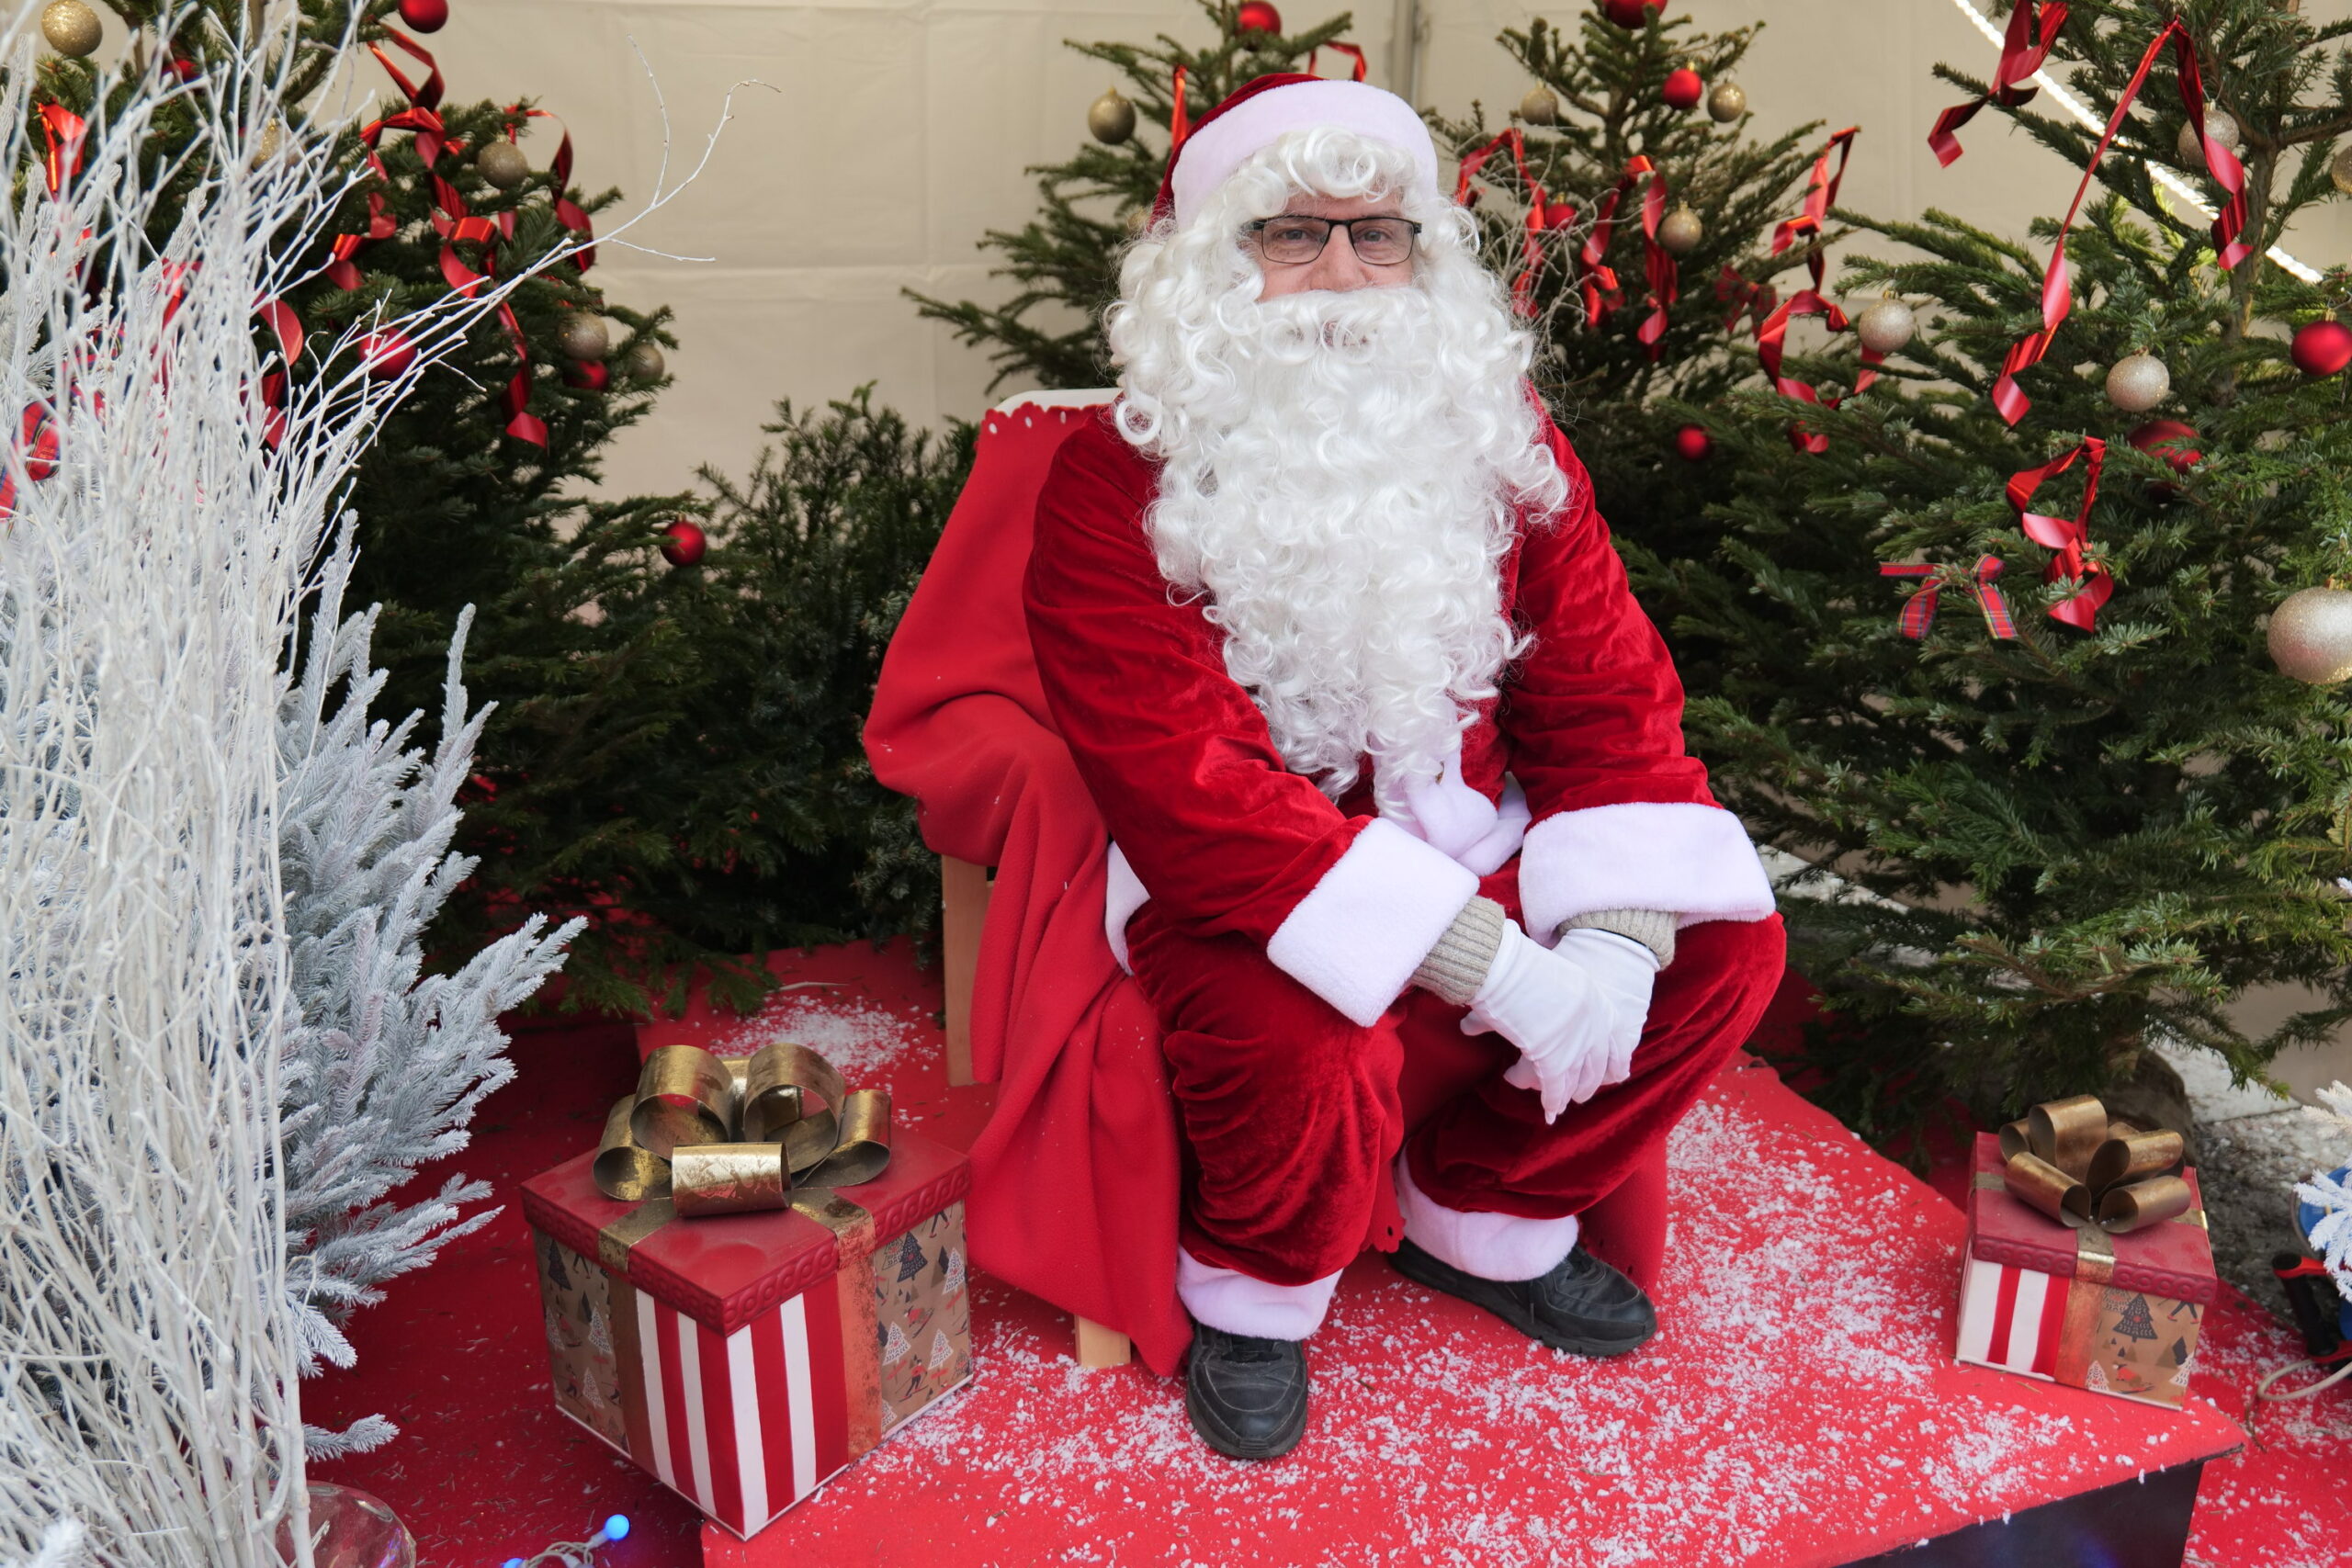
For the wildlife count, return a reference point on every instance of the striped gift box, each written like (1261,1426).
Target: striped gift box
(745,1359)
(2114,1315)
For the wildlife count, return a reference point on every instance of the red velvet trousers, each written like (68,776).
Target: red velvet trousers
(1292,1115)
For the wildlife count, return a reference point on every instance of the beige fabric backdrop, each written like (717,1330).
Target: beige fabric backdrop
(891,135)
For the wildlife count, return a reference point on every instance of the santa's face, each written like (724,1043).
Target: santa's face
(1341,265)
(1339,459)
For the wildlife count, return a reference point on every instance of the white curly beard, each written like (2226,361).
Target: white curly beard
(1339,472)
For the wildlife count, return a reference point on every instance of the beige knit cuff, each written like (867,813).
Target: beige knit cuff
(1457,965)
(1654,928)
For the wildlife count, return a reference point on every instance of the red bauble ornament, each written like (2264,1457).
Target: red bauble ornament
(591,373)
(1691,445)
(2169,438)
(1257,16)
(424,15)
(1631,14)
(386,354)
(683,542)
(1683,89)
(2321,348)
(184,68)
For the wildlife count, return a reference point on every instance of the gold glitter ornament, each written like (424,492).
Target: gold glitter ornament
(584,337)
(1885,326)
(1679,232)
(2310,636)
(71,27)
(1110,118)
(2219,125)
(2138,382)
(644,363)
(502,164)
(1539,108)
(1727,102)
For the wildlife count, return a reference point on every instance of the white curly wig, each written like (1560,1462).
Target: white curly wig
(1341,473)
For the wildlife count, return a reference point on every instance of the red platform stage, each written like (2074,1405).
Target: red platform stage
(1799,1406)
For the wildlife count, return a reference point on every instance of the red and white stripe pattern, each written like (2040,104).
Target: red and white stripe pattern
(2011,1318)
(743,1424)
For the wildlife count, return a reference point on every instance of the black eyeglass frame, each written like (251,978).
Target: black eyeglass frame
(1256,231)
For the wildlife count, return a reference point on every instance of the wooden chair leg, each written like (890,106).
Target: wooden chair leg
(963,913)
(1101,1347)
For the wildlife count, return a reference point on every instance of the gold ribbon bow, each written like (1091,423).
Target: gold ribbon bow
(732,1134)
(2067,1159)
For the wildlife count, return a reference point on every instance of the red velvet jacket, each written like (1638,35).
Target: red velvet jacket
(1219,830)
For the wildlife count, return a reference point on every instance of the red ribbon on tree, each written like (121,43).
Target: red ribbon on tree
(1659,269)
(1771,332)
(1744,298)
(2057,287)
(1347,48)
(1820,196)
(568,212)
(2021,56)
(1919,610)
(36,439)
(2069,537)
(1539,212)
(63,131)
(1179,124)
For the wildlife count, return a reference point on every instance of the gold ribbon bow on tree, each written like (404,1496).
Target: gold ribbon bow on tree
(2067,1159)
(735,1134)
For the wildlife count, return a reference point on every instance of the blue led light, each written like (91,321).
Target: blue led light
(616,1527)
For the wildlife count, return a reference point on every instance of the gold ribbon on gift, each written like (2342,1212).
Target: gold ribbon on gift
(2101,1175)
(708,1134)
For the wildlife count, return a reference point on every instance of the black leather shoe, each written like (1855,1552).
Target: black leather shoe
(1582,1306)
(1247,1397)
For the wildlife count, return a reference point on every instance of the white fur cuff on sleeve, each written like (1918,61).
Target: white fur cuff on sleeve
(1359,934)
(1694,862)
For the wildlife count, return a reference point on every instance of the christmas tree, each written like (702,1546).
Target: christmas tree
(1634,218)
(1066,259)
(1991,633)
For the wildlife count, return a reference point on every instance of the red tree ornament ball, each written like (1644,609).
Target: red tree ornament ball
(2321,348)
(1631,14)
(1683,89)
(1690,443)
(425,16)
(386,354)
(2169,438)
(1257,16)
(683,542)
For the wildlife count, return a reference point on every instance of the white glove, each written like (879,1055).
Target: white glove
(1553,1008)
(1624,971)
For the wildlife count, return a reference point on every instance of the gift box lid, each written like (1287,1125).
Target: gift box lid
(2173,1257)
(724,1270)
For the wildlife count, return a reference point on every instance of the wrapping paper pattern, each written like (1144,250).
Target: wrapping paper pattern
(2141,1346)
(744,1425)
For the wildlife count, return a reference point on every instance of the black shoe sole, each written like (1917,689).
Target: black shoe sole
(1464,1287)
(1214,1434)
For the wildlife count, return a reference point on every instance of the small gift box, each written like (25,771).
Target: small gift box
(2087,1259)
(743,1318)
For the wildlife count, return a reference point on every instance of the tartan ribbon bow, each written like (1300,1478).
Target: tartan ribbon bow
(1919,610)
(2072,1161)
(732,1134)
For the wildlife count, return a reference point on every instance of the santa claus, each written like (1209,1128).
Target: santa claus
(1393,761)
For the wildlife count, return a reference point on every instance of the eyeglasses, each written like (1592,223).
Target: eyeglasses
(1294,241)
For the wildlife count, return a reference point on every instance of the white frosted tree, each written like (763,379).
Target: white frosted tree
(218,1056)
(384,1064)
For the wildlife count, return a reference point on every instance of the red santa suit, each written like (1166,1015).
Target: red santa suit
(1276,932)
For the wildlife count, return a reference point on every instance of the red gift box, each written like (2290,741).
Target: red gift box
(744,1359)
(2117,1315)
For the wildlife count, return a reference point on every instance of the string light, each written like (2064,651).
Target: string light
(2162,175)
(575,1553)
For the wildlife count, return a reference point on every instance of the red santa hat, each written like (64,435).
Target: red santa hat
(1257,116)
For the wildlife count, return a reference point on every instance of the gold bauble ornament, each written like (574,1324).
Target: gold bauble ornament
(1885,326)
(1679,232)
(2138,382)
(1110,117)
(1137,222)
(71,27)
(644,363)
(2221,126)
(1539,108)
(502,164)
(2310,636)
(2339,169)
(1727,102)
(584,337)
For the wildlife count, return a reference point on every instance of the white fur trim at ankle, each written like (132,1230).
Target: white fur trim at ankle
(1693,862)
(1360,932)
(1227,1299)
(1123,894)
(1492,1247)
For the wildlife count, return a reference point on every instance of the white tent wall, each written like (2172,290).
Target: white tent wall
(897,134)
